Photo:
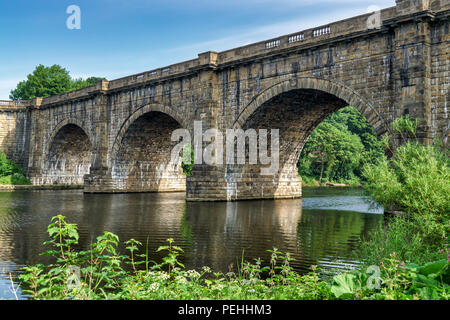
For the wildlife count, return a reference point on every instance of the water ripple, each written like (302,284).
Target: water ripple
(321,229)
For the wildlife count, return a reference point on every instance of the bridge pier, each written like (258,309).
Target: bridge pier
(228,183)
(97,182)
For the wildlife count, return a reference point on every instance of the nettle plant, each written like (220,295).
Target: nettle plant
(99,267)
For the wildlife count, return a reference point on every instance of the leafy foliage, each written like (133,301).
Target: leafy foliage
(406,126)
(398,281)
(48,81)
(339,147)
(10,172)
(187,160)
(416,181)
(82,83)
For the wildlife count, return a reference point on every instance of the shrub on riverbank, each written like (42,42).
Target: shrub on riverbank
(11,173)
(416,180)
(101,273)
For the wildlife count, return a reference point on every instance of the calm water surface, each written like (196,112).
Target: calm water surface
(323,228)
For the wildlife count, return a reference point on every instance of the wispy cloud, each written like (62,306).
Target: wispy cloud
(260,33)
(240,3)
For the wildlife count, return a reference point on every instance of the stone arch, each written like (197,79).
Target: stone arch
(337,89)
(138,113)
(140,158)
(62,124)
(294,107)
(68,156)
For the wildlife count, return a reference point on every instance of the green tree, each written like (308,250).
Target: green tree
(357,124)
(339,147)
(81,83)
(43,82)
(332,152)
(48,81)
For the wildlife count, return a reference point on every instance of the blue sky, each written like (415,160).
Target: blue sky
(123,37)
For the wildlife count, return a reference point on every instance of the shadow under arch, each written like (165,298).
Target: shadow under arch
(140,158)
(337,89)
(68,155)
(135,115)
(62,124)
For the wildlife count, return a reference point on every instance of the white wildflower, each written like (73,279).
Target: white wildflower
(154,287)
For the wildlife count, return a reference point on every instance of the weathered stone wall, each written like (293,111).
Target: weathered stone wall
(142,163)
(121,128)
(69,158)
(181,100)
(295,113)
(440,80)
(362,66)
(62,145)
(14,134)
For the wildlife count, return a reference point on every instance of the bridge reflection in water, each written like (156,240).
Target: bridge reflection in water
(322,229)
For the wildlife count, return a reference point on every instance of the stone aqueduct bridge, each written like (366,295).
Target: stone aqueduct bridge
(115,136)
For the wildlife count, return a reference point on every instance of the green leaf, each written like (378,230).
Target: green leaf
(161,248)
(428,293)
(424,281)
(177,248)
(434,269)
(344,284)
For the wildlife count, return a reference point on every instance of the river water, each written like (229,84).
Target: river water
(323,228)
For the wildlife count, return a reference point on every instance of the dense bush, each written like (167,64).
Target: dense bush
(10,172)
(416,181)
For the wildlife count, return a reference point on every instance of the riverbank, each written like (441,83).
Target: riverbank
(331,184)
(10,187)
(106,275)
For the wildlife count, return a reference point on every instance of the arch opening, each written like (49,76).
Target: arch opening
(296,113)
(69,157)
(142,162)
